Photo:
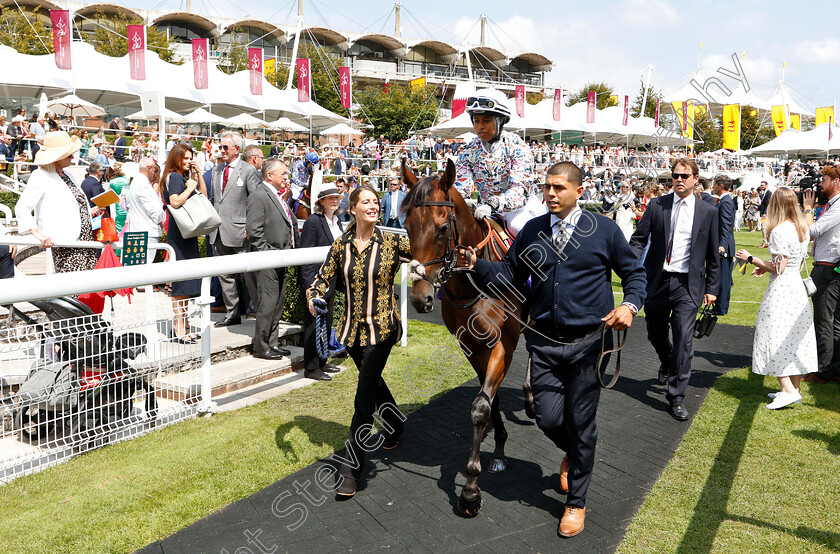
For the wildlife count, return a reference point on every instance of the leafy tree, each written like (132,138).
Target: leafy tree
(534,98)
(109,37)
(396,113)
(324,74)
(236,58)
(707,128)
(650,105)
(16,30)
(754,131)
(602,91)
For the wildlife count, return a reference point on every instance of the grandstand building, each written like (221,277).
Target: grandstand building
(372,57)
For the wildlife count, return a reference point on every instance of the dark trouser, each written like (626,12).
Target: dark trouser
(230,288)
(311,361)
(827,318)
(7,264)
(566,393)
(393,222)
(372,394)
(722,302)
(271,284)
(670,309)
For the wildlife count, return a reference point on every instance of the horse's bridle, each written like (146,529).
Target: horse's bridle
(452,238)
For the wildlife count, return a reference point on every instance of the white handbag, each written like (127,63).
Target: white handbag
(196,216)
(810,287)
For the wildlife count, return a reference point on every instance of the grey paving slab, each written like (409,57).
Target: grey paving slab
(407,502)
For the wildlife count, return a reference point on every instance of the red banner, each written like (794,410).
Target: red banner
(626,111)
(520,100)
(137,51)
(304,82)
(344,86)
(200,47)
(61,32)
(590,107)
(656,115)
(685,116)
(558,104)
(255,69)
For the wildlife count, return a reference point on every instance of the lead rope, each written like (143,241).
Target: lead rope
(322,337)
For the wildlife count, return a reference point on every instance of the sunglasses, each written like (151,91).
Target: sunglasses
(226,147)
(683,176)
(476,102)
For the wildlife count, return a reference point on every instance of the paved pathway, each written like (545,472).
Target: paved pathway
(408,501)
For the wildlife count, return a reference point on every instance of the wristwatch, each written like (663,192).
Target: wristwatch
(749,259)
(808,211)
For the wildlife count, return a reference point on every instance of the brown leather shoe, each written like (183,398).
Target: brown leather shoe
(564,475)
(572,522)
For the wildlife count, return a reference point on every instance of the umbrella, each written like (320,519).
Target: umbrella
(167,114)
(248,121)
(341,129)
(96,300)
(286,124)
(72,105)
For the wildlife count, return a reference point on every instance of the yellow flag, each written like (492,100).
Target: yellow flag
(795,121)
(269,65)
(731,126)
(778,115)
(417,84)
(614,100)
(824,115)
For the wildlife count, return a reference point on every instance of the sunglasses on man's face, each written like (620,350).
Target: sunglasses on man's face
(683,176)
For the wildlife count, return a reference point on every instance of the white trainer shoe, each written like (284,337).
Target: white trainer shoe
(783,399)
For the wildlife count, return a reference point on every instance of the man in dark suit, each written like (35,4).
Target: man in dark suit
(271,226)
(232,182)
(344,203)
(275,150)
(119,147)
(92,184)
(706,195)
(340,166)
(726,236)
(683,272)
(569,255)
(392,215)
(765,195)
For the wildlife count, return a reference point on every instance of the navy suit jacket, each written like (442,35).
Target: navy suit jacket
(726,224)
(704,264)
(92,187)
(572,288)
(707,198)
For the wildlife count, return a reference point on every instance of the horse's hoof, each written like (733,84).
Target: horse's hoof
(469,508)
(529,410)
(498,465)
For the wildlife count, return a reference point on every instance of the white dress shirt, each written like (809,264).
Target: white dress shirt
(335,226)
(145,208)
(826,233)
(681,248)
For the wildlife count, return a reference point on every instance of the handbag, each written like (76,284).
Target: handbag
(196,216)
(706,322)
(107,231)
(810,287)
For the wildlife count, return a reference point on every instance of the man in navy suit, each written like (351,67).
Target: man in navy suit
(683,272)
(392,215)
(569,255)
(726,236)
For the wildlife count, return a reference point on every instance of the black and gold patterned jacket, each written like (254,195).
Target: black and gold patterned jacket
(370,311)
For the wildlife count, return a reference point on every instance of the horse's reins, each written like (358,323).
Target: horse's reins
(449,259)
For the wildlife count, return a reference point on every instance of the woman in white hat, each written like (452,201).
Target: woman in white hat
(61,211)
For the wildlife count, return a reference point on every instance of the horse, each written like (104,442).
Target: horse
(438,222)
(300,206)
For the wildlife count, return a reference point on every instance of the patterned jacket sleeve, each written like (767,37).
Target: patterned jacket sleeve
(328,271)
(464,183)
(404,247)
(521,178)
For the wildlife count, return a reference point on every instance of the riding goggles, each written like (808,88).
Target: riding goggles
(481,103)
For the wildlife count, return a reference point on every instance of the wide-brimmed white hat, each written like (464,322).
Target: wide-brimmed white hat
(57,145)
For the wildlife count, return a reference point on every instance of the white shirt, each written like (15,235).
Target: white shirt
(681,248)
(826,233)
(395,197)
(335,226)
(145,208)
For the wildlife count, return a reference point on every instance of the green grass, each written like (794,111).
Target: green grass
(748,479)
(124,496)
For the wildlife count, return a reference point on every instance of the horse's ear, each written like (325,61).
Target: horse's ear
(448,178)
(408,176)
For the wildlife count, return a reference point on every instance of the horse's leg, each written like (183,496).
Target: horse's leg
(470,500)
(498,464)
(529,394)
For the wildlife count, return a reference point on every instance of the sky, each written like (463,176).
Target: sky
(608,40)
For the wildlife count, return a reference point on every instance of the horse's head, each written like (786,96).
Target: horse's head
(428,207)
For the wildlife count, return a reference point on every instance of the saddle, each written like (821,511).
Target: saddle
(498,236)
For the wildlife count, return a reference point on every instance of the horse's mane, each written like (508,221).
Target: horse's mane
(418,193)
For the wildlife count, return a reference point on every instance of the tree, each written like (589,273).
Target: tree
(603,93)
(110,37)
(399,111)
(707,128)
(534,98)
(324,74)
(26,33)
(650,104)
(754,131)
(236,58)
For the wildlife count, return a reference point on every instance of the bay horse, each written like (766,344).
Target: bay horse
(438,221)
(300,206)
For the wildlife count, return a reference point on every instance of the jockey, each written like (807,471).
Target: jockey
(299,176)
(497,163)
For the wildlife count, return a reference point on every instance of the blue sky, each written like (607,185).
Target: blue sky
(610,40)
